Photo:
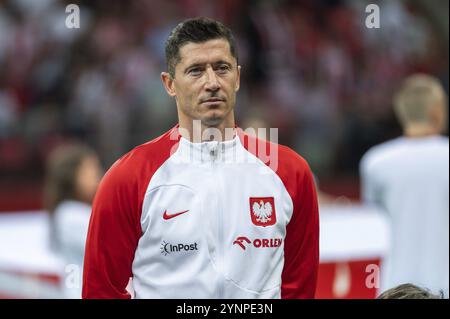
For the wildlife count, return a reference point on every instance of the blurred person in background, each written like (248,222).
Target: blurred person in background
(73,174)
(408,291)
(408,177)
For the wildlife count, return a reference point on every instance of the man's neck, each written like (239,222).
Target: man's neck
(196,131)
(419,131)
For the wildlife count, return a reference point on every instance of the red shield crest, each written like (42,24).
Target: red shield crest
(262,211)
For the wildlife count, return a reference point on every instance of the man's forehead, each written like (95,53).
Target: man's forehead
(206,52)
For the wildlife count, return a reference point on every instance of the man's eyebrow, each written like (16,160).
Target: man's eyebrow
(194,65)
(222,62)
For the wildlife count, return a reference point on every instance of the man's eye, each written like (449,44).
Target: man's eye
(195,71)
(223,68)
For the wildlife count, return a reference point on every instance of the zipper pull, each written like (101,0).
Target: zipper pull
(213,147)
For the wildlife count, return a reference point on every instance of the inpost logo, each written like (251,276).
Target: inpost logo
(168,248)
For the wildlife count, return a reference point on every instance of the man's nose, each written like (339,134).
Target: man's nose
(212,83)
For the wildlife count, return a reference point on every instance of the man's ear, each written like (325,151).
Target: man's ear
(238,79)
(168,83)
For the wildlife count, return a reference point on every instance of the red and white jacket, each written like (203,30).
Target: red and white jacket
(204,220)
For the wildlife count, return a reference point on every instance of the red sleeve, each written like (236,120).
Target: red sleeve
(114,231)
(301,246)
(115,225)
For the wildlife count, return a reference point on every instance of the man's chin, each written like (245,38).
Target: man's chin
(212,121)
(212,118)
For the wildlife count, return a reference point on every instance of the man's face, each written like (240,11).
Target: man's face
(205,83)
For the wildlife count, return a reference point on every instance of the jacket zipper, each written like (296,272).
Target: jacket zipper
(220,253)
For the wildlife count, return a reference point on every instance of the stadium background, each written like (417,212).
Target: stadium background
(312,69)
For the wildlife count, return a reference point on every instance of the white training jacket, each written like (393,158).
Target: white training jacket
(233,219)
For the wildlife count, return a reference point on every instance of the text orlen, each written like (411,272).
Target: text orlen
(267,243)
(243,242)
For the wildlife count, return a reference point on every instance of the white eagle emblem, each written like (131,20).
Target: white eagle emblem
(262,211)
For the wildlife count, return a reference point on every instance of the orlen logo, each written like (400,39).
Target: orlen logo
(243,241)
(167,248)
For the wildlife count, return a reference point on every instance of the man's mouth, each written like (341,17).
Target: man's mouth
(213,100)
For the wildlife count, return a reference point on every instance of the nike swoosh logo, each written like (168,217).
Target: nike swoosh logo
(167,216)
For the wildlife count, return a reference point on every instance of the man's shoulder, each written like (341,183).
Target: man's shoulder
(400,150)
(291,160)
(155,150)
(281,158)
(144,159)
(441,141)
(380,152)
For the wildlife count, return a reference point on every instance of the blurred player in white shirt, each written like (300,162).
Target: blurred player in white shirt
(408,177)
(73,175)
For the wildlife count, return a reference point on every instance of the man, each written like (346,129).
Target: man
(204,218)
(409,178)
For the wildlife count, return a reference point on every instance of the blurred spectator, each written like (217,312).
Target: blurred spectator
(408,291)
(73,174)
(315,62)
(408,177)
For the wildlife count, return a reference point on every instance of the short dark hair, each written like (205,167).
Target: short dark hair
(196,30)
(409,291)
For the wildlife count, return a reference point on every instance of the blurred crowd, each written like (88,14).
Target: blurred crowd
(310,68)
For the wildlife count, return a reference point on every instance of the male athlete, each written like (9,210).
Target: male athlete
(209,217)
(408,178)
